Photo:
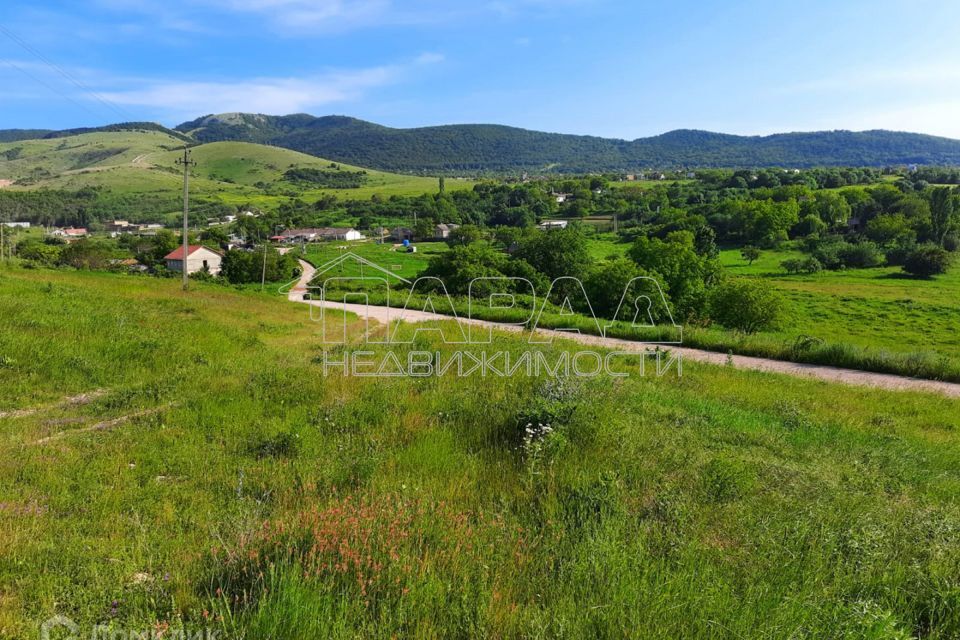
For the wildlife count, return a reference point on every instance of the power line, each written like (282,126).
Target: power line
(14,65)
(69,77)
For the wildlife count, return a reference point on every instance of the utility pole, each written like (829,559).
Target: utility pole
(186,162)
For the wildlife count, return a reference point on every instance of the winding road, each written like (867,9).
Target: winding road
(384,315)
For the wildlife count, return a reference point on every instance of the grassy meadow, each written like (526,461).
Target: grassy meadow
(880,309)
(212,477)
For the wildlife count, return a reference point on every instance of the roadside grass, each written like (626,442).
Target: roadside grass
(264,499)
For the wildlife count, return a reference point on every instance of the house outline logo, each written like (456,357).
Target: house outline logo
(363,262)
(58,622)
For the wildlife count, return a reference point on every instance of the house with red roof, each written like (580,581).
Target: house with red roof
(199,258)
(69,234)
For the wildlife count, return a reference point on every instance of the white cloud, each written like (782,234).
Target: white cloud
(271,95)
(258,95)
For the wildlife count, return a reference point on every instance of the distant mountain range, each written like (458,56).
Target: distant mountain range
(473,149)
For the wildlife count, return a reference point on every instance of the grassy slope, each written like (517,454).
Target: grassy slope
(226,170)
(723,504)
(85,151)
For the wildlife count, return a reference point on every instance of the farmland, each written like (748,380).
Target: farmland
(213,477)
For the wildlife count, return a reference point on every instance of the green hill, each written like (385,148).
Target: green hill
(493,148)
(134,173)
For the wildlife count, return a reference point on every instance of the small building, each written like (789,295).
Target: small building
(294,236)
(548,225)
(16,225)
(69,233)
(562,197)
(442,231)
(402,233)
(199,258)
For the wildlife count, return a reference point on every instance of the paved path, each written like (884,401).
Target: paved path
(384,315)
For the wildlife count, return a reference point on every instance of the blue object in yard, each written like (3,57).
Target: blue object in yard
(406,243)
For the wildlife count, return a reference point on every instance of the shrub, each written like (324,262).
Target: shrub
(745,305)
(927,260)
(834,253)
(802,265)
(861,255)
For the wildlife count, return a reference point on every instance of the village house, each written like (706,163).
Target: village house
(442,231)
(16,225)
(69,233)
(320,234)
(199,258)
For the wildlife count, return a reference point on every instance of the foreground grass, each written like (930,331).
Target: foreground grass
(248,493)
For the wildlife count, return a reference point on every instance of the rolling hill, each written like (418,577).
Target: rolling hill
(136,167)
(493,148)
(455,149)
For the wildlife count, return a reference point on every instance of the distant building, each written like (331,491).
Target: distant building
(199,258)
(442,231)
(294,236)
(562,197)
(402,233)
(547,225)
(69,234)
(16,225)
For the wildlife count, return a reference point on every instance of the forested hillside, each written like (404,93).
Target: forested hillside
(494,148)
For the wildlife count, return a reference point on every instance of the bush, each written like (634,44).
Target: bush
(861,255)
(802,265)
(746,305)
(834,253)
(927,260)
(897,256)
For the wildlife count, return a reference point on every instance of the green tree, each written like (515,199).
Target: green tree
(685,274)
(747,305)
(750,254)
(605,284)
(942,213)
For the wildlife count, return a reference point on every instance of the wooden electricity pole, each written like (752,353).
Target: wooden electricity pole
(186,162)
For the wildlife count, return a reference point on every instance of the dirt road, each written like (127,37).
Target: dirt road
(384,315)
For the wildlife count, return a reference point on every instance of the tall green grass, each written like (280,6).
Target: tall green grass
(264,500)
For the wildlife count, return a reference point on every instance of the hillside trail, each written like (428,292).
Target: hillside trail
(384,315)
(139,162)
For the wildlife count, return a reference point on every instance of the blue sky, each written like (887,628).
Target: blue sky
(612,68)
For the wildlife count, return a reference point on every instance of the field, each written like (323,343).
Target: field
(213,477)
(386,256)
(875,308)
